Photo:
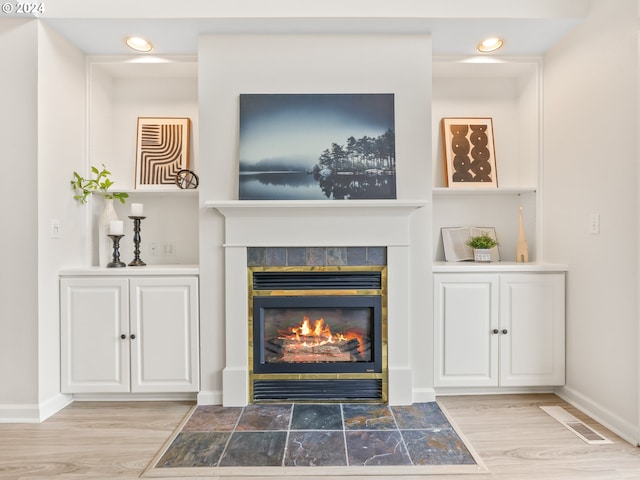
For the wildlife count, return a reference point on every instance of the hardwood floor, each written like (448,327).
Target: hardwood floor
(515,439)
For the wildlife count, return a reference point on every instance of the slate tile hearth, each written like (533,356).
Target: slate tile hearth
(306,434)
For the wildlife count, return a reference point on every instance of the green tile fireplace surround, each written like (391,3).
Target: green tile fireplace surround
(315,256)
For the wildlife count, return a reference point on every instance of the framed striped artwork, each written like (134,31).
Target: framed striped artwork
(162,150)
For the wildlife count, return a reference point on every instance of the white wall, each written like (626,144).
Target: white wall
(591,166)
(18,204)
(42,125)
(61,149)
(234,64)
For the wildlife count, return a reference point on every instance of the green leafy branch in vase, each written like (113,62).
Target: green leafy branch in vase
(100,184)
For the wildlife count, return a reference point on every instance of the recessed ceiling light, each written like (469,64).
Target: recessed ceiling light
(490,44)
(139,44)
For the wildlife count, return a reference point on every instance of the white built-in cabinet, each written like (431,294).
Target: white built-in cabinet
(135,330)
(499,329)
(135,334)
(500,325)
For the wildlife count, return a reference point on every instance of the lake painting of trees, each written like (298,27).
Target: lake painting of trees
(317,147)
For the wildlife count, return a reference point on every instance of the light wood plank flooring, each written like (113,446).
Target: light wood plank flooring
(117,440)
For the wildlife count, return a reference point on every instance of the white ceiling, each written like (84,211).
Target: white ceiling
(98,27)
(179,36)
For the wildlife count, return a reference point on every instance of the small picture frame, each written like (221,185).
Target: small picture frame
(454,242)
(469,152)
(162,150)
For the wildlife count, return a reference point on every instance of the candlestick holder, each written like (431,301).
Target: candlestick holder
(136,262)
(116,252)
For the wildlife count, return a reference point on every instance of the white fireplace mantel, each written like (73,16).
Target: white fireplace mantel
(229,206)
(384,223)
(316,222)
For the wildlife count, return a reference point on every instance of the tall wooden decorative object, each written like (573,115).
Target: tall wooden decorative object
(522,250)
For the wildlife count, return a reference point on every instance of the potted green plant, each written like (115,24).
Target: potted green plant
(100,184)
(482,245)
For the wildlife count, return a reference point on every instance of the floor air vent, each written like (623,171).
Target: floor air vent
(578,428)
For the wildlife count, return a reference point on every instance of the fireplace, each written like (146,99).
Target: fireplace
(395,226)
(317,333)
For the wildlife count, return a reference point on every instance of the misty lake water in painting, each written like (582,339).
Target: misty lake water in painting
(317,146)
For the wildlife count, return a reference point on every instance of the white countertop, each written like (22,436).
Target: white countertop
(496,267)
(147,270)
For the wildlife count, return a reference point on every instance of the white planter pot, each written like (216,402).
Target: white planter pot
(482,254)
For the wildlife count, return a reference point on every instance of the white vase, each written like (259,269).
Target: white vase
(105,245)
(482,254)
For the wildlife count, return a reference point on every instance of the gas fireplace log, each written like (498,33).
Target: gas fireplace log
(350,346)
(274,345)
(304,357)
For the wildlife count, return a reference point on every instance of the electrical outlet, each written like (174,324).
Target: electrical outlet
(170,249)
(594,223)
(163,249)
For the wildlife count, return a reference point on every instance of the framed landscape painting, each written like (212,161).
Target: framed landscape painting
(317,147)
(469,152)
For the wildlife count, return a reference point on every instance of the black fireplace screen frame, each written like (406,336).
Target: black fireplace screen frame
(372,302)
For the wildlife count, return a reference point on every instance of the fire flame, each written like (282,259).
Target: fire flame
(319,334)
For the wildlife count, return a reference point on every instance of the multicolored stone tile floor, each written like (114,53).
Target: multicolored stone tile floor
(305,434)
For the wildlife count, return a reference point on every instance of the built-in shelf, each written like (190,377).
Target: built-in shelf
(119,91)
(483,191)
(507,90)
(158,191)
(149,270)
(494,267)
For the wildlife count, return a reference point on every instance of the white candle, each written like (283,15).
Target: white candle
(116,227)
(137,210)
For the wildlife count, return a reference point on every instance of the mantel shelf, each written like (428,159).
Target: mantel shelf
(261,207)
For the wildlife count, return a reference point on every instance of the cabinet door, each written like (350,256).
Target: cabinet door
(94,316)
(164,321)
(466,314)
(532,313)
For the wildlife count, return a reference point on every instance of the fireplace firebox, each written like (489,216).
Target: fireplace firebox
(318,333)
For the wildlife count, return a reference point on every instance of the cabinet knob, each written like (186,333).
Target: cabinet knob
(123,336)
(133,336)
(496,331)
(504,332)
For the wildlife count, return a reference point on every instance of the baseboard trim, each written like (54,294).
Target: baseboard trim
(626,430)
(445,391)
(19,413)
(424,395)
(33,412)
(210,397)
(134,397)
(54,405)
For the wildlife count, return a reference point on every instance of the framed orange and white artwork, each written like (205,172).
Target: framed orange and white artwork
(469,152)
